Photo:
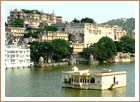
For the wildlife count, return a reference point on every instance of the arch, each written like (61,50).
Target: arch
(92,80)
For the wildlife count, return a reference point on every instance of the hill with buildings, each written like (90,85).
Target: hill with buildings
(33,34)
(127,24)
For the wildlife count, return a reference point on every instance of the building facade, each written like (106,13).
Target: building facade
(16,31)
(14,34)
(52,35)
(88,33)
(17,56)
(77,47)
(91,33)
(34,18)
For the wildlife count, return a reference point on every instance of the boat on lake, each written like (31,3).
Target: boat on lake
(93,79)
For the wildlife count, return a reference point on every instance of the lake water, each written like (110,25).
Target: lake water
(46,82)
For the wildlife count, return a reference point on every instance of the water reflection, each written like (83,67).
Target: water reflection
(115,92)
(94,93)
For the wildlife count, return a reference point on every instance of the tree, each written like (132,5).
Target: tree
(88,51)
(87,20)
(75,21)
(56,50)
(17,23)
(44,49)
(31,34)
(61,49)
(127,44)
(39,30)
(50,28)
(34,51)
(31,11)
(118,46)
(106,49)
(103,50)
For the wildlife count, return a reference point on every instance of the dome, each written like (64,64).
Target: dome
(75,69)
(41,59)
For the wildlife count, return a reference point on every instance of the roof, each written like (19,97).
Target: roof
(94,72)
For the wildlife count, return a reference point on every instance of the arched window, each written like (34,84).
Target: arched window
(92,80)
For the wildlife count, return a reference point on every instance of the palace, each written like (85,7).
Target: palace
(52,35)
(89,33)
(34,18)
(14,34)
(83,35)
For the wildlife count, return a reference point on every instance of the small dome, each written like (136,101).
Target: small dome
(41,59)
(75,69)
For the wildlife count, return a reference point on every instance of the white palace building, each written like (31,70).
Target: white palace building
(83,35)
(17,56)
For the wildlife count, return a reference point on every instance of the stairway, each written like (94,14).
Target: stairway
(111,87)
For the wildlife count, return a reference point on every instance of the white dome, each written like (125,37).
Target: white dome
(41,59)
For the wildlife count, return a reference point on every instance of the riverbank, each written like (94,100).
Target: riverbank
(52,64)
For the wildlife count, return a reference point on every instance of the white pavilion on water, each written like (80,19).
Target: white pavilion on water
(93,79)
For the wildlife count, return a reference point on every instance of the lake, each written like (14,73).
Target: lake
(46,82)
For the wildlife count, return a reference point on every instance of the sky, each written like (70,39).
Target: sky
(99,12)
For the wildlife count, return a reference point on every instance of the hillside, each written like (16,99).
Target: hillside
(127,24)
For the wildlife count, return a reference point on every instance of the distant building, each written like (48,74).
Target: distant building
(34,18)
(118,32)
(123,57)
(91,33)
(17,56)
(52,35)
(88,33)
(14,34)
(16,31)
(77,47)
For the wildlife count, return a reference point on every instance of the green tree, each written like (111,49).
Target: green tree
(34,46)
(31,34)
(118,46)
(106,49)
(87,20)
(50,28)
(39,30)
(88,51)
(38,49)
(56,50)
(76,21)
(103,50)
(127,44)
(31,11)
(17,23)
(61,49)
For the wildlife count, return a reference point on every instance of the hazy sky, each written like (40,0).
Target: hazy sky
(99,12)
